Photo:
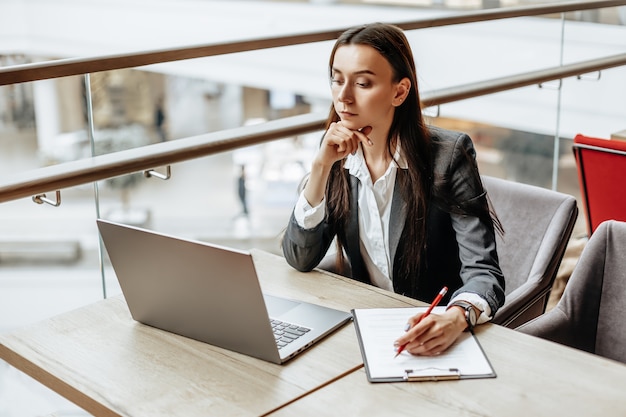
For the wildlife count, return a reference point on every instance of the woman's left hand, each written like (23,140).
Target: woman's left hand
(434,333)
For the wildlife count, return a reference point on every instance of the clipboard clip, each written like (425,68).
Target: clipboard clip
(431,374)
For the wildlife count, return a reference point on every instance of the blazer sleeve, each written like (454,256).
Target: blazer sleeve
(480,270)
(303,248)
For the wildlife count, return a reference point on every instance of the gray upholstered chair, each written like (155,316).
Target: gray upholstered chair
(590,314)
(538,224)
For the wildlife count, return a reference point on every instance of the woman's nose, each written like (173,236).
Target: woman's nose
(345,95)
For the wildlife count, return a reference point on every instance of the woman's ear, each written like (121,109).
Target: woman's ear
(402,91)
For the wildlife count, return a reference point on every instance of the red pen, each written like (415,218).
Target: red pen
(436,301)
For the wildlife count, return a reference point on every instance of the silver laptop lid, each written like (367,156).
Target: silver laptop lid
(195,289)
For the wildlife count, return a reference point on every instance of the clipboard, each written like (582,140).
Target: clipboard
(377,328)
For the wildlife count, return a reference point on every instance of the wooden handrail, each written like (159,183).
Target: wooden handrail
(75,66)
(496,85)
(69,174)
(87,170)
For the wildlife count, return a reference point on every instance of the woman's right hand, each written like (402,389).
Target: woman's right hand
(339,141)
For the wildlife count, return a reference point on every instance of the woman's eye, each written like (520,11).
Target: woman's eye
(339,81)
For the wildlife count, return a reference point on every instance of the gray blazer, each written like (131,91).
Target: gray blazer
(460,249)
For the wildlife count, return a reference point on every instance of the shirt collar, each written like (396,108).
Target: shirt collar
(355,164)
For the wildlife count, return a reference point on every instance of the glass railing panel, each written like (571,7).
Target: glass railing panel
(17,115)
(132,108)
(42,123)
(46,265)
(593,103)
(49,260)
(594,106)
(138,107)
(516,128)
(607,15)
(48,256)
(468,53)
(126,109)
(233,90)
(588,39)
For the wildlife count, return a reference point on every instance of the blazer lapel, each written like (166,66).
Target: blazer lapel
(353,247)
(397,219)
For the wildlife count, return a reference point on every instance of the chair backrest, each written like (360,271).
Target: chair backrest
(601,165)
(590,313)
(538,224)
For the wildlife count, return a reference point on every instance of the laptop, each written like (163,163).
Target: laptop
(210,293)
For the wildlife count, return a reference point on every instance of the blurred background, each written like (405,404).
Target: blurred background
(50,258)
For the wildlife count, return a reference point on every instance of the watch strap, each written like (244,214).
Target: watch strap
(466,306)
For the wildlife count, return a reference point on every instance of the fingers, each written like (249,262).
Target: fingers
(430,347)
(366,131)
(363,135)
(415,331)
(430,336)
(345,141)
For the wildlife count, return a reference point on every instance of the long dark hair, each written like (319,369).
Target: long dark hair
(408,124)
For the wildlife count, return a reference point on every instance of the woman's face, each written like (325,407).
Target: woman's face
(363,90)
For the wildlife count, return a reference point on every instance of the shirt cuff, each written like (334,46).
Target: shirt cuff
(306,216)
(477,301)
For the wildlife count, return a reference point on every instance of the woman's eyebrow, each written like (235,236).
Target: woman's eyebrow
(360,72)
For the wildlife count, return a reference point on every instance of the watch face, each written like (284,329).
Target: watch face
(471,315)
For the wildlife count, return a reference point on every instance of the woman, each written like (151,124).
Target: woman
(404,201)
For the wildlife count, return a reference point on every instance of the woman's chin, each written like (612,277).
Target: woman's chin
(352,125)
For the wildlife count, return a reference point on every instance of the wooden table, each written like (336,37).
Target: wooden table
(534,378)
(106,363)
(110,365)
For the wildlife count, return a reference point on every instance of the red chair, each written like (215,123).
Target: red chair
(601,165)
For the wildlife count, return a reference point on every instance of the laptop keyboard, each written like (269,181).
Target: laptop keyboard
(285,333)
